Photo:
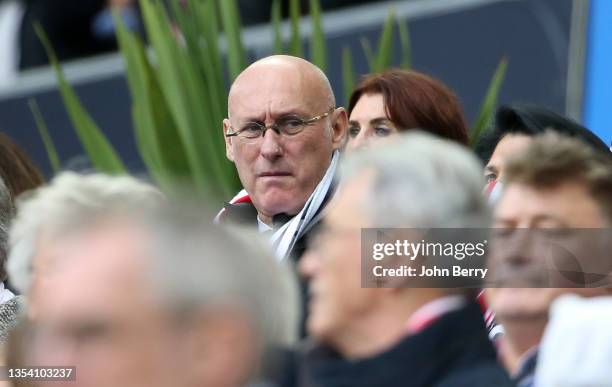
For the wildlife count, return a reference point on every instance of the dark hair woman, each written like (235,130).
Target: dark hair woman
(398,100)
(16,168)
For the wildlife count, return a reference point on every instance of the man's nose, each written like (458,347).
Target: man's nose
(271,148)
(522,248)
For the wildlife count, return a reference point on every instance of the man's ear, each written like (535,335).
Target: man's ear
(228,140)
(339,128)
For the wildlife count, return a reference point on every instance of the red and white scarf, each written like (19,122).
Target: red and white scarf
(287,235)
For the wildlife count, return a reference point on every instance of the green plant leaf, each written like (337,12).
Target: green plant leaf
(156,134)
(484,118)
(406,45)
(135,75)
(217,89)
(96,145)
(385,45)
(348,74)
(295,47)
(368,52)
(231,26)
(184,22)
(56,166)
(210,62)
(317,39)
(205,13)
(276,26)
(185,92)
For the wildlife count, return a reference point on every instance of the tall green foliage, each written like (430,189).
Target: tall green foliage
(487,108)
(179,90)
(46,137)
(102,155)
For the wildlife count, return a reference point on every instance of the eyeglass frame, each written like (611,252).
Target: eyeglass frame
(275,128)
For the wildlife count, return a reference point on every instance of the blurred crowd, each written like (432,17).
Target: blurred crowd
(133,286)
(75,28)
(83,28)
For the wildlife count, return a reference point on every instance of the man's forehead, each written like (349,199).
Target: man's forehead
(275,107)
(257,95)
(278,87)
(99,277)
(269,76)
(106,248)
(520,197)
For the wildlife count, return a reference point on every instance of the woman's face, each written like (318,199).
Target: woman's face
(369,122)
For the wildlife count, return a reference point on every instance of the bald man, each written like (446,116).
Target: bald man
(286,171)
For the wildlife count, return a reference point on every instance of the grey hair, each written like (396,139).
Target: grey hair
(194,264)
(421,181)
(200,265)
(70,201)
(6,214)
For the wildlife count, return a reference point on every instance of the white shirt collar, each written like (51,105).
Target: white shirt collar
(262,227)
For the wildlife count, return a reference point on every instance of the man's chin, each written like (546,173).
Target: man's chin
(274,203)
(317,327)
(317,323)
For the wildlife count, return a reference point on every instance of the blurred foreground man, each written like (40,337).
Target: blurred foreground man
(556,184)
(51,210)
(10,305)
(286,171)
(396,336)
(158,297)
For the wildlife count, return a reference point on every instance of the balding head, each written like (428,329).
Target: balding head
(284,68)
(281,171)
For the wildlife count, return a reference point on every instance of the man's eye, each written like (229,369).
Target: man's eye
(292,123)
(490,177)
(89,333)
(502,231)
(381,131)
(251,128)
(353,131)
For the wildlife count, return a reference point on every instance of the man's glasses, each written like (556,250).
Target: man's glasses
(289,125)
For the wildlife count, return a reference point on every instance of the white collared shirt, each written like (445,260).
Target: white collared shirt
(262,227)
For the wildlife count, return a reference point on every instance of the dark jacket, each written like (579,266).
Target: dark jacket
(453,352)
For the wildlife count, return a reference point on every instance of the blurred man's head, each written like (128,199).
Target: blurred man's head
(557,183)
(67,203)
(103,318)
(279,169)
(162,299)
(417,181)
